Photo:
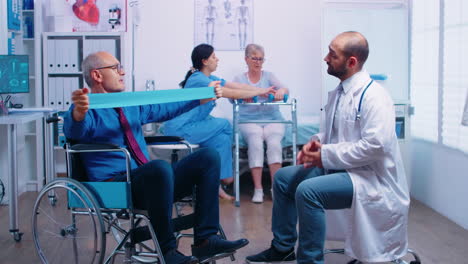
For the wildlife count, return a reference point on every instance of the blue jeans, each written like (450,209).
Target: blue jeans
(304,194)
(157,184)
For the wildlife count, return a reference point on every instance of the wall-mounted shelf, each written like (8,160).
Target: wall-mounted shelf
(63,54)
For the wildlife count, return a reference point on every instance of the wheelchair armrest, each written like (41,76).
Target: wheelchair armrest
(74,160)
(163,139)
(97,146)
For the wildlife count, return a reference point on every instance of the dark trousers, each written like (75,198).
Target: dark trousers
(156,185)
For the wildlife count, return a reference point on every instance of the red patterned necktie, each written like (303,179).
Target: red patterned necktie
(133,146)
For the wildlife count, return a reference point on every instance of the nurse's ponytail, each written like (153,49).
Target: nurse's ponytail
(199,53)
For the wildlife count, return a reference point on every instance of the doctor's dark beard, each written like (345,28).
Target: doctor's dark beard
(338,72)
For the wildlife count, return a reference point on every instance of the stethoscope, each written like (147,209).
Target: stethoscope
(358,114)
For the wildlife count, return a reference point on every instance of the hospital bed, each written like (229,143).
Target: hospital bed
(297,133)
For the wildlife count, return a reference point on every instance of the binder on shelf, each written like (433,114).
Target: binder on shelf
(70,55)
(70,84)
(59,53)
(67,83)
(59,92)
(66,49)
(88,48)
(73,56)
(51,93)
(50,67)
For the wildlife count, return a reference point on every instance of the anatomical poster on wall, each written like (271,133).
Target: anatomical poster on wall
(86,15)
(224,24)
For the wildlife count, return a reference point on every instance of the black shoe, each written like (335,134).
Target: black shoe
(272,255)
(215,245)
(173,256)
(229,188)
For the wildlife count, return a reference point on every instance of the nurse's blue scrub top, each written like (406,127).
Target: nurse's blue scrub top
(197,126)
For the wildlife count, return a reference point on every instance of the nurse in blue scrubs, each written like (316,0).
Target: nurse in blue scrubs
(197,126)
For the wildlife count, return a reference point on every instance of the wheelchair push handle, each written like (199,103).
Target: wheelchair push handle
(271,98)
(53,119)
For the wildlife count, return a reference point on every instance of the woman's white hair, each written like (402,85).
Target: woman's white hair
(251,48)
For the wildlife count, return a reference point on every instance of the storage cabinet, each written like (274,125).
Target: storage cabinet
(63,54)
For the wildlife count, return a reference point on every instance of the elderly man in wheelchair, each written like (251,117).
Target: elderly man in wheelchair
(155,185)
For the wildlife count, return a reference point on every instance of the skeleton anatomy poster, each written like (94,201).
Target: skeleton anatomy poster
(224,24)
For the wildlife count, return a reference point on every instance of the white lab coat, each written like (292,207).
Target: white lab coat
(376,224)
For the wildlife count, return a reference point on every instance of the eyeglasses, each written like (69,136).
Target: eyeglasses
(257,59)
(116,67)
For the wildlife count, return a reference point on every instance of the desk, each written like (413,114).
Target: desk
(11,121)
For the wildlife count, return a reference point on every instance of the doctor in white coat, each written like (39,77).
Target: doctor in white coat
(353,164)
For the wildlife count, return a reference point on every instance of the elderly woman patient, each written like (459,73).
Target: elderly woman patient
(256,134)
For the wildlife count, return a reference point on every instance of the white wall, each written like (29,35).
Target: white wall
(289,31)
(439,179)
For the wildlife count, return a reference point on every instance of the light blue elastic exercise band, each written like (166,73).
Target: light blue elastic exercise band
(112,100)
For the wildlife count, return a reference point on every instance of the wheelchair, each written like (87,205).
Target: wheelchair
(72,216)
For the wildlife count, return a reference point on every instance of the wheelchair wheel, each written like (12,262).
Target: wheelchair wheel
(68,235)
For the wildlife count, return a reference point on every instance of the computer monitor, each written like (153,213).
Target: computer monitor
(14,74)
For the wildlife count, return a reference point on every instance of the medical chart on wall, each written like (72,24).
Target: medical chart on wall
(86,16)
(224,24)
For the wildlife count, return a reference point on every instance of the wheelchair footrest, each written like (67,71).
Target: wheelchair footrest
(216,257)
(142,233)
(183,222)
(148,260)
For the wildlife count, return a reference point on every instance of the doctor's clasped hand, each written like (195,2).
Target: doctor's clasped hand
(310,155)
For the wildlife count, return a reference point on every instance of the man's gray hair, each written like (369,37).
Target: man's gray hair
(91,62)
(251,48)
